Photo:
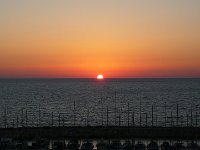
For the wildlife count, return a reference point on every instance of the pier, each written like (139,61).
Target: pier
(101,132)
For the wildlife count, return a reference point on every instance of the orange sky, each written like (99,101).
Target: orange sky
(83,38)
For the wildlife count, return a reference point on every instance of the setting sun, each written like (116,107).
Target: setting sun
(100,77)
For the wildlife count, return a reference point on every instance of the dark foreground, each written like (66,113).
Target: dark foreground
(102,132)
(107,138)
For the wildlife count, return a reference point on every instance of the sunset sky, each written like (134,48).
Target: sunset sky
(82,38)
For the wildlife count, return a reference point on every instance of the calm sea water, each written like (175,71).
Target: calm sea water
(86,101)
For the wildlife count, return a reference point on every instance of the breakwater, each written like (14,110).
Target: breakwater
(102,132)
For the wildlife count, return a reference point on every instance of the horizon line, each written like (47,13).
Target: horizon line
(104,78)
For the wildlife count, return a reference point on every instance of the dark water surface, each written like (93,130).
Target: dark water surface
(32,101)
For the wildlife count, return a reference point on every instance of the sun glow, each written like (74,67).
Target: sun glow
(100,77)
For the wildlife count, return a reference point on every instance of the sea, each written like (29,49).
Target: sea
(92,102)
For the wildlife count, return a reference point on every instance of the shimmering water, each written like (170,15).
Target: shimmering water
(86,101)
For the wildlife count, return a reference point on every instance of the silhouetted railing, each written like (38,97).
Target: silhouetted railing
(158,116)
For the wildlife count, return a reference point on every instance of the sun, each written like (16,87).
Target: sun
(100,77)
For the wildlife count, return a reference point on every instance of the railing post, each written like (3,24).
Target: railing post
(5,118)
(39,116)
(171,119)
(196,119)
(87,117)
(17,121)
(22,117)
(177,115)
(26,118)
(140,113)
(59,119)
(101,112)
(13,123)
(107,115)
(74,113)
(165,114)
(128,114)
(156,118)
(191,116)
(181,120)
(119,119)
(133,119)
(152,121)
(146,118)
(52,119)
(63,120)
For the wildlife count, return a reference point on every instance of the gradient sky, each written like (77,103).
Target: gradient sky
(81,38)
